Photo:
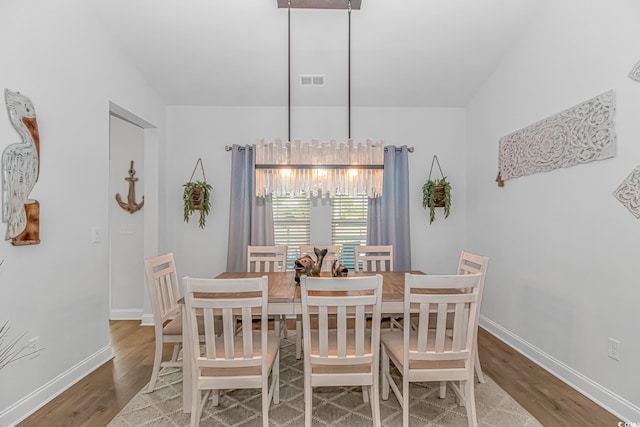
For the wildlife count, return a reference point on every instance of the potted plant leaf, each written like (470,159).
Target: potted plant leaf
(197,197)
(436,193)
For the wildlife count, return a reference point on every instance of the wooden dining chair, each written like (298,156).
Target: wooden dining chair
(376,258)
(265,259)
(341,351)
(333,254)
(164,293)
(373,258)
(470,263)
(230,359)
(432,351)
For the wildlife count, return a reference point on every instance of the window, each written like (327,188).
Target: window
(292,224)
(292,218)
(349,225)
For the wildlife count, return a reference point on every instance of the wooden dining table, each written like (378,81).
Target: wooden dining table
(285,299)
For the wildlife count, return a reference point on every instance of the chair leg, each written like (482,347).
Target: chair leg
(176,351)
(308,401)
(285,329)
(275,376)
(375,404)
(478,368)
(405,401)
(298,337)
(276,325)
(443,389)
(265,402)
(385,375)
(470,401)
(195,406)
(157,361)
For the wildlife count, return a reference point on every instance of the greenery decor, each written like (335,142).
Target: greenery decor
(197,196)
(436,193)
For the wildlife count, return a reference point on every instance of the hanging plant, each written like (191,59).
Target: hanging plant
(197,197)
(436,193)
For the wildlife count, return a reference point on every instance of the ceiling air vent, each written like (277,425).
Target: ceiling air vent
(311,80)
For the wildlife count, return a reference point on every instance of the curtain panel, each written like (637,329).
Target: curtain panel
(388,217)
(250,217)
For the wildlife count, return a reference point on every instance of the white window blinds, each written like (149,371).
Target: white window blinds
(349,225)
(292,224)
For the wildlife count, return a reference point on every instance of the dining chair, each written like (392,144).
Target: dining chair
(340,350)
(373,258)
(164,293)
(230,359)
(376,258)
(265,259)
(333,254)
(470,263)
(432,352)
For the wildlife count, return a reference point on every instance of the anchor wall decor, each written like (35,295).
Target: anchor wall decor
(131,206)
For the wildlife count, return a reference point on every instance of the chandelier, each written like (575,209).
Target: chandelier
(319,168)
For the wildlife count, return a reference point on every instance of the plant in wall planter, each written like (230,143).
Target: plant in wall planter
(197,197)
(436,193)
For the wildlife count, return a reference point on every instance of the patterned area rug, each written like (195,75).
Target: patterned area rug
(332,406)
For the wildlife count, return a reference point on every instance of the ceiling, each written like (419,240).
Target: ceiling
(404,53)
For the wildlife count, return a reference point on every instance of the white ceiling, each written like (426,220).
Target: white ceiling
(234,52)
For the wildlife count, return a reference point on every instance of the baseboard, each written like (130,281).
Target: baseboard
(610,401)
(126,314)
(147,320)
(20,410)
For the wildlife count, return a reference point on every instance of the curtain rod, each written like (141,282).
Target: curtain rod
(229,148)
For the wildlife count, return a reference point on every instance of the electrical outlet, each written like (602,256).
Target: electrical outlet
(613,349)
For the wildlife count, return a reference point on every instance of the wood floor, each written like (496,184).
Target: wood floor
(96,399)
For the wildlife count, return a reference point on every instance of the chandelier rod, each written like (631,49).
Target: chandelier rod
(289,69)
(349,73)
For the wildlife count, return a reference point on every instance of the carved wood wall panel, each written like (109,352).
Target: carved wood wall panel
(580,134)
(635,72)
(628,192)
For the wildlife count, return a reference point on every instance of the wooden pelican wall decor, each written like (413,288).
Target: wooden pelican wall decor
(20,170)
(131,206)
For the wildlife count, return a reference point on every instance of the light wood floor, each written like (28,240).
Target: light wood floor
(96,399)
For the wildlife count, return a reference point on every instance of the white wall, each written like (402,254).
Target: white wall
(57,55)
(126,230)
(194,132)
(562,276)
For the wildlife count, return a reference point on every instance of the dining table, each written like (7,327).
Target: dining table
(285,299)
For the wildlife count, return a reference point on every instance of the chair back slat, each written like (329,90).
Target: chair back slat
(373,258)
(323,331)
(266,259)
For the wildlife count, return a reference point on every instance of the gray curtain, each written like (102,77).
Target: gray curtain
(388,218)
(250,217)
